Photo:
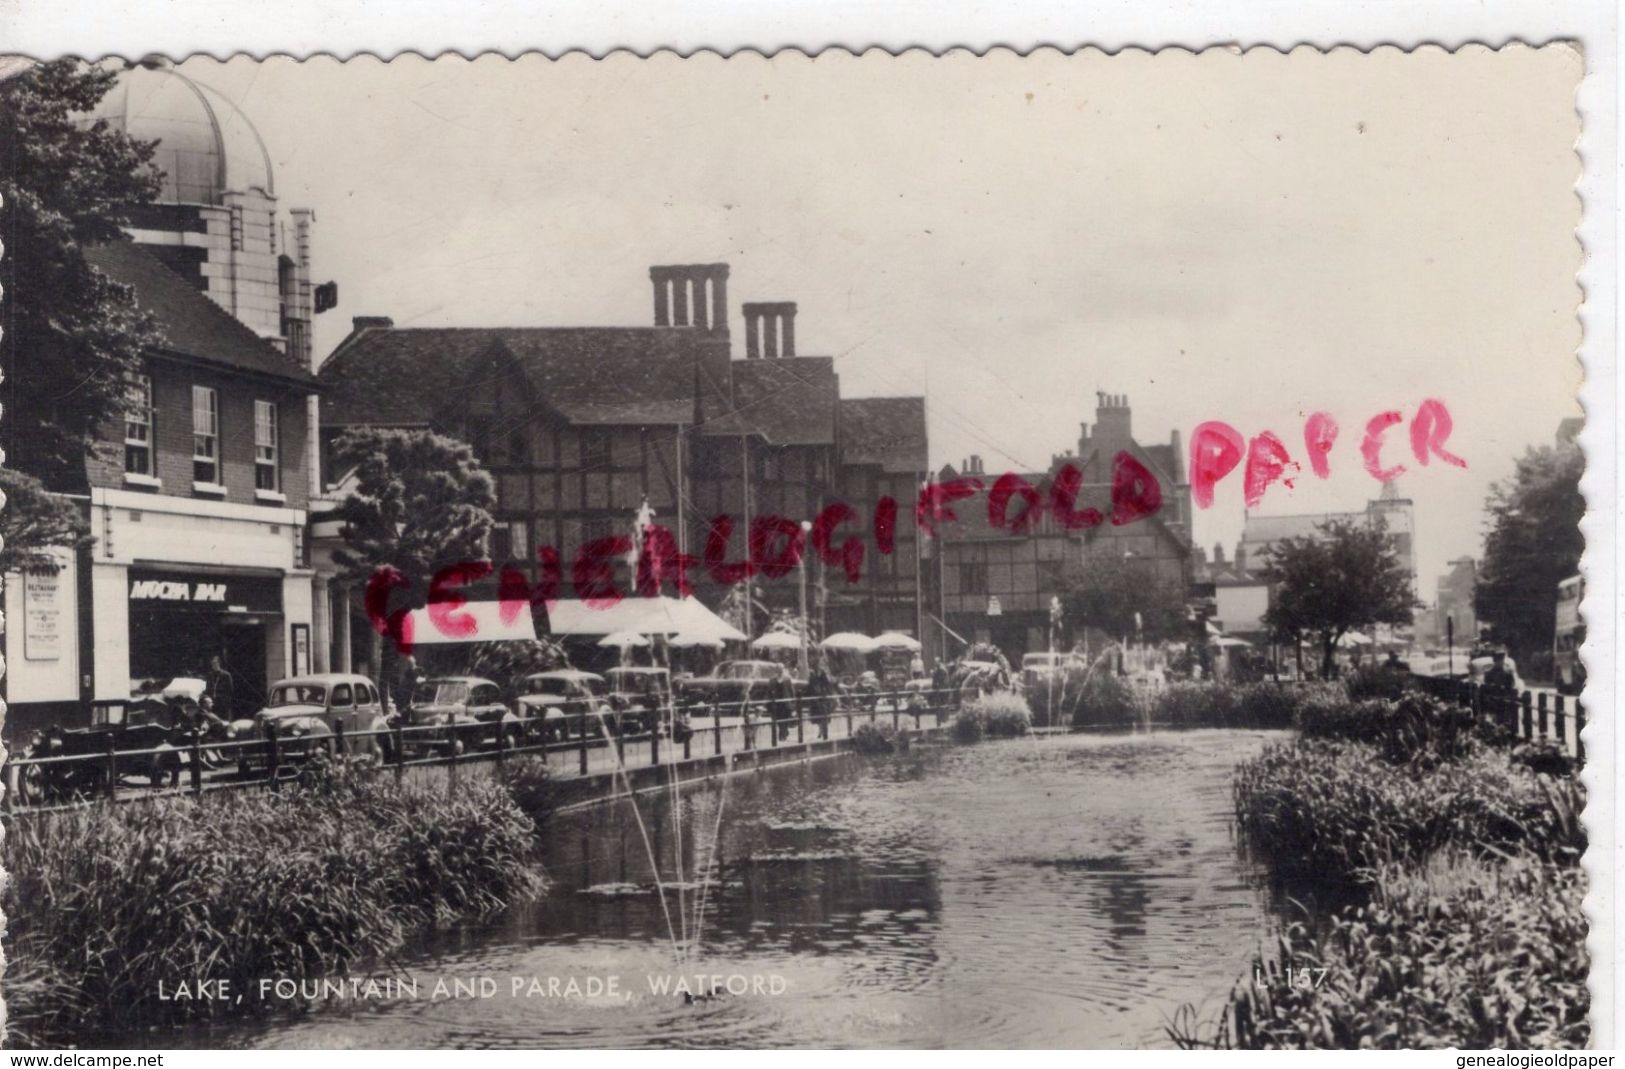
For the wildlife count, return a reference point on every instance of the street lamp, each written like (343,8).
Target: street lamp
(801,567)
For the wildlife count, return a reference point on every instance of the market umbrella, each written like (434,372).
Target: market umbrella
(623,639)
(777,640)
(689,640)
(1354,638)
(896,640)
(848,641)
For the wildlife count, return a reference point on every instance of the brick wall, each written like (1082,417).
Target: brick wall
(172,400)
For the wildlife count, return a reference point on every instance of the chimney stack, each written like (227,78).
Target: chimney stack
(777,323)
(1112,419)
(691,295)
(361,323)
(1218,553)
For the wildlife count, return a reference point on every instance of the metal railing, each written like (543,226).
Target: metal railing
(576,738)
(1529,715)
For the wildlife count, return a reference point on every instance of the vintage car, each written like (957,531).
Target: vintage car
(150,736)
(305,714)
(736,686)
(453,713)
(553,705)
(642,697)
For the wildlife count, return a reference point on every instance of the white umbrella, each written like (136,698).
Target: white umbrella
(896,640)
(1227,642)
(689,640)
(848,640)
(1354,638)
(623,639)
(777,640)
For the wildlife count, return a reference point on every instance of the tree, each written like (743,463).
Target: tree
(33,522)
(1533,543)
(420,502)
(1347,576)
(1123,596)
(71,334)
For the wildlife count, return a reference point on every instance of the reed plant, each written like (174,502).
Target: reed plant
(1000,715)
(107,902)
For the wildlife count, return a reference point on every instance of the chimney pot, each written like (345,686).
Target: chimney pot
(776,321)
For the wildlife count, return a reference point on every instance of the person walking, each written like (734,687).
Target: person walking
(223,688)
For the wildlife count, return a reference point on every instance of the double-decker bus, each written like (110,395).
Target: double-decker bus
(1568,636)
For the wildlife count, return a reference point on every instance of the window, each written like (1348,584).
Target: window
(510,540)
(596,529)
(479,437)
(205,435)
(138,426)
(341,696)
(973,578)
(265,446)
(595,448)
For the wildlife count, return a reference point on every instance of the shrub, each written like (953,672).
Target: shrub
(1462,951)
(109,900)
(1103,698)
(1001,715)
(1375,681)
(876,737)
(1415,728)
(1257,705)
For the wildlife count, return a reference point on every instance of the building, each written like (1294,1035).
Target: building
(1454,603)
(997,583)
(196,500)
(584,426)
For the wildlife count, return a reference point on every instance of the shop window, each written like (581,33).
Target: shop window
(973,578)
(510,540)
(265,446)
(138,426)
(596,448)
(205,435)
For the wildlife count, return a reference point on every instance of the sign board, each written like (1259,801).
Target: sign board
(301,648)
(42,616)
(152,589)
(993,606)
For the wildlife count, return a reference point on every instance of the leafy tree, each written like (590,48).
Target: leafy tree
(71,334)
(33,521)
(1348,576)
(1108,592)
(419,502)
(1533,543)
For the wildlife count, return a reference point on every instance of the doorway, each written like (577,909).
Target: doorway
(242,652)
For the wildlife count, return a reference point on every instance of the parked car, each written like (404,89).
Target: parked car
(641,696)
(1037,669)
(463,711)
(150,736)
(305,714)
(552,703)
(735,686)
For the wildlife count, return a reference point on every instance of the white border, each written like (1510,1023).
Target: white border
(180,27)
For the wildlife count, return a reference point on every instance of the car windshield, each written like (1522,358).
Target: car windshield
(746,670)
(638,682)
(440,692)
(556,687)
(299,694)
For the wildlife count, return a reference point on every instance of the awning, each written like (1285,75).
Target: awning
(641,616)
(474,621)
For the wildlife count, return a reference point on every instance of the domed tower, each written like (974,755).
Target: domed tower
(215,221)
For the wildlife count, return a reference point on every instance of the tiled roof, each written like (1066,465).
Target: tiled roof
(889,431)
(193,325)
(401,376)
(788,400)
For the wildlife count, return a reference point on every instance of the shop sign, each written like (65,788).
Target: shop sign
(165,590)
(42,616)
(225,593)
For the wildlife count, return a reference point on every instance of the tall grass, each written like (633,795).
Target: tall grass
(108,901)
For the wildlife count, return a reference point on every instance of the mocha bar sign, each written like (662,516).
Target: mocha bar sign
(176,590)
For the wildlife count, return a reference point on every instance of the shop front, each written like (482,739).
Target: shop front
(224,627)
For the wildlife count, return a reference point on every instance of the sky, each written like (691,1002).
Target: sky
(1246,237)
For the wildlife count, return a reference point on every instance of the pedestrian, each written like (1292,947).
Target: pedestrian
(1498,679)
(223,687)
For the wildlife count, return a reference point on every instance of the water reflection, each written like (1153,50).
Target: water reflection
(1069,891)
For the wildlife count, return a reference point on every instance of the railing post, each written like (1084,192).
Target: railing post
(197,762)
(581,737)
(687,739)
(400,751)
(275,758)
(1562,715)
(451,753)
(339,744)
(716,732)
(1543,715)
(654,745)
(1528,716)
(112,771)
(801,727)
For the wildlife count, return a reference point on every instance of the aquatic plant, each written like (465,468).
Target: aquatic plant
(531,786)
(875,737)
(1103,698)
(1460,951)
(1416,728)
(1251,705)
(108,901)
